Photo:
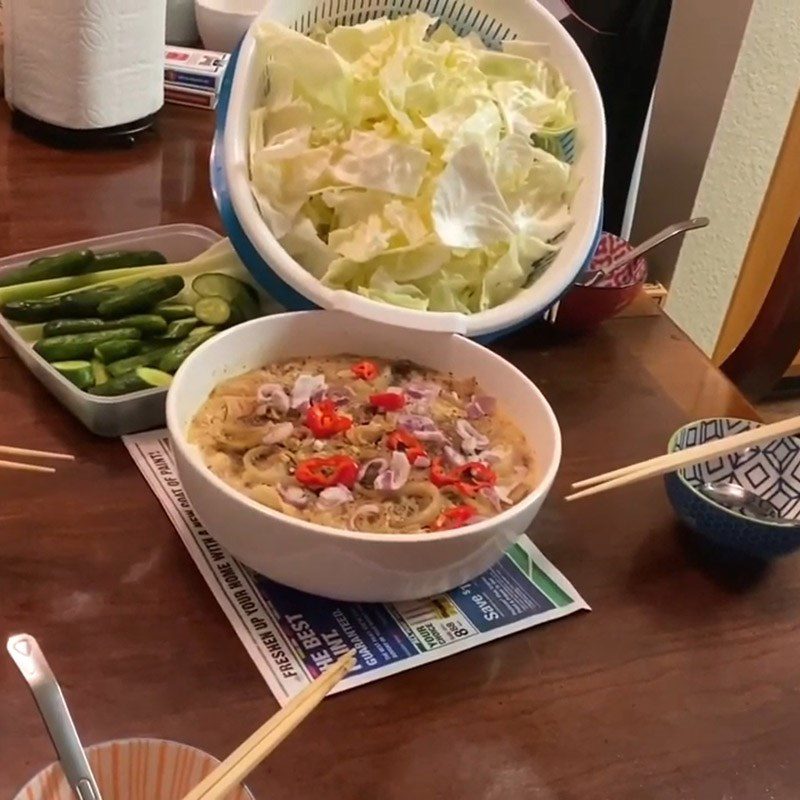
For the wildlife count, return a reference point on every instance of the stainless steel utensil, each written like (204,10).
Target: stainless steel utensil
(31,662)
(645,247)
(648,244)
(738,498)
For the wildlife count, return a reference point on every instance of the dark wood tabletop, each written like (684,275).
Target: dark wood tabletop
(682,683)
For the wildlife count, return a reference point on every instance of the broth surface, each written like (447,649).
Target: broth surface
(365,444)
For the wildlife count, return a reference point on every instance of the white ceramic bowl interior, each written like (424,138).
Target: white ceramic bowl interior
(523,19)
(133,769)
(335,563)
(223,23)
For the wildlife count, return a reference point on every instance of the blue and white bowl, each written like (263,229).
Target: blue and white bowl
(771,471)
(295,288)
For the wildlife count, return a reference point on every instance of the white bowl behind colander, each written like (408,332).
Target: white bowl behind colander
(494,20)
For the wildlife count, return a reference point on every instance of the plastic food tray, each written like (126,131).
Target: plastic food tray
(138,411)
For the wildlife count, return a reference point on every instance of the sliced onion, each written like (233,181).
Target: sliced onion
(339,395)
(364,510)
(278,432)
(294,495)
(334,496)
(472,441)
(481,406)
(495,455)
(273,395)
(424,428)
(453,457)
(421,390)
(381,463)
(305,387)
(395,477)
(416,422)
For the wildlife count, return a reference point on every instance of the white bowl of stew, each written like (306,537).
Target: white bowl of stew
(359,564)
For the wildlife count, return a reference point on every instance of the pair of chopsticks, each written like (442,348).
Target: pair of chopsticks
(250,753)
(684,458)
(23,452)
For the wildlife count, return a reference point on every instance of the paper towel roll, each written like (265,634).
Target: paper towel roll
(84,64)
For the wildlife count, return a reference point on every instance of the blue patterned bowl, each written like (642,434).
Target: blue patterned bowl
(771,471)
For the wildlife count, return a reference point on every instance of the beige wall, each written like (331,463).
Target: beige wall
(752,126)
(700,51)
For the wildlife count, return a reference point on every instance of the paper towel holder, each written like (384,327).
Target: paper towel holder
(84,73)
(125,135)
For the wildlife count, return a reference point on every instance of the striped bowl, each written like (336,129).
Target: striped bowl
(133,769)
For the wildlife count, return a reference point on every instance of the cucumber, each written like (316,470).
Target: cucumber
(213,310)
(135,381)
(177,354)
(79,345)
(242,297)
(116,349)
(121,259)
(148,345)
(30,333)
(78,304)
(126,365)
(218,284)
(154,377)
(148,324)
(172,311)
(60,327)
(180,328)
(60,266)
(78,372)
(99,371)
(140,297)
(83,303)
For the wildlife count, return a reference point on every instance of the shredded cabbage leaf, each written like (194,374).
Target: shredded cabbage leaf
(407,164)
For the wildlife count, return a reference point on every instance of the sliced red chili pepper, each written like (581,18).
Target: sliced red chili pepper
(365,370)
(388,401)
(408,443)
(322,472)
(473,476)
(324,421)
(439,475)
(454,517)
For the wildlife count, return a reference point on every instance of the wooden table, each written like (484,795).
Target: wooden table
(681,684)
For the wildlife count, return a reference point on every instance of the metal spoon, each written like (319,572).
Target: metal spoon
(659,238)
(738,498)
(645,247)
(31,662)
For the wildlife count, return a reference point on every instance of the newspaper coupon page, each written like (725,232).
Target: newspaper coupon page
(292,636)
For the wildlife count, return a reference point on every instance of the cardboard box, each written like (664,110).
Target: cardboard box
(184,96)
(201,70)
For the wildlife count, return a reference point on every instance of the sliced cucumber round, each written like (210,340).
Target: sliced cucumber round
(212,310)
(79,373)
(154,377)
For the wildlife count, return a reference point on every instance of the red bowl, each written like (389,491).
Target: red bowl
(601,292)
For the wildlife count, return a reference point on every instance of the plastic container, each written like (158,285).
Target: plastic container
(296,288)
(110,416)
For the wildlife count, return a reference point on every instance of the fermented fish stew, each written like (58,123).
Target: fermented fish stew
(365,444)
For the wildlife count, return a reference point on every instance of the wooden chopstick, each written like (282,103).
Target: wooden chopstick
(25,453)
(24,467)
(248,755)
(684,458)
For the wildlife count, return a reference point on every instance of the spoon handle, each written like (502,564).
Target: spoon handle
(30,660)
(657,239)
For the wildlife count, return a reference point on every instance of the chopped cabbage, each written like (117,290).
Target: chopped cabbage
(400,161)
